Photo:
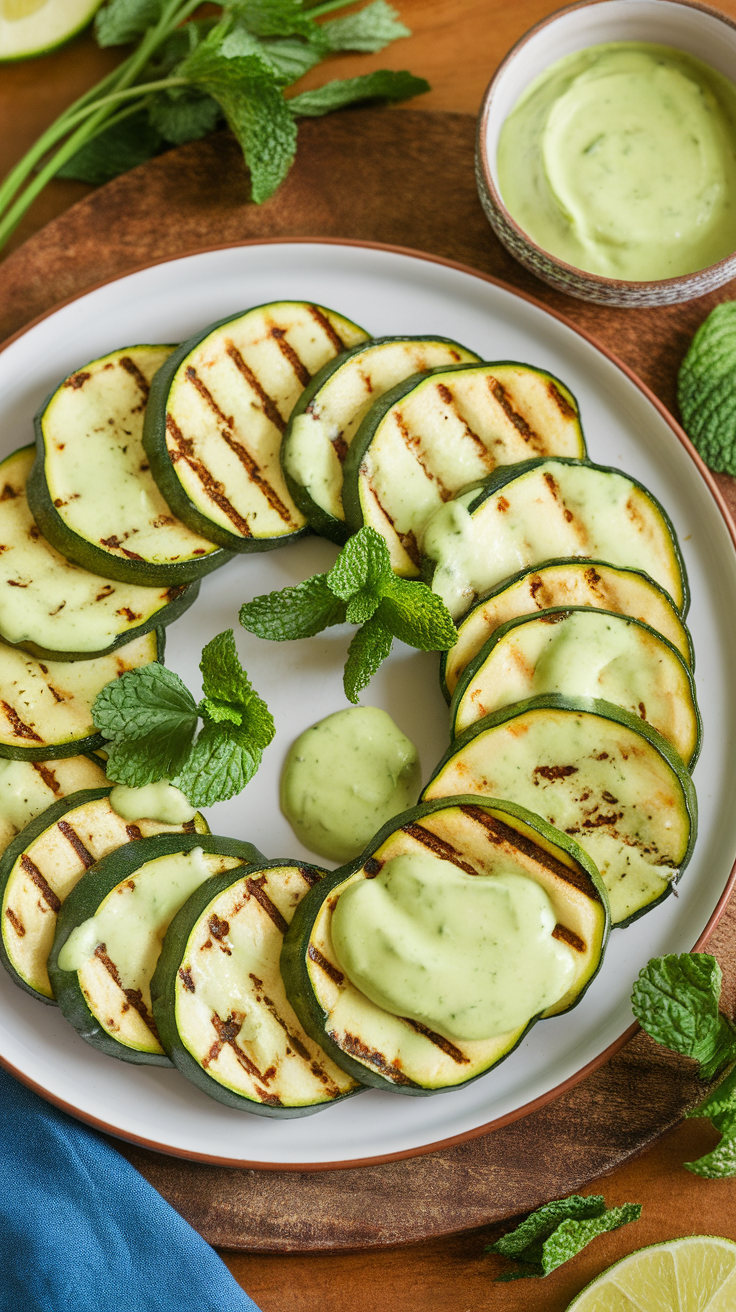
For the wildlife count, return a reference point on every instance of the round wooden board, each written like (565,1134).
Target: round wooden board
(405,179)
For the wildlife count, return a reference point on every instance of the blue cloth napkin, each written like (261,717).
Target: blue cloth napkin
(82,1231)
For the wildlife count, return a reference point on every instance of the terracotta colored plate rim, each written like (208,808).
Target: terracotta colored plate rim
(520,1112)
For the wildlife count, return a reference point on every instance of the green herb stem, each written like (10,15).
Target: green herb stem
(318,10)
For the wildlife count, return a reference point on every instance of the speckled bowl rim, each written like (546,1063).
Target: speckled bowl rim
(688,284)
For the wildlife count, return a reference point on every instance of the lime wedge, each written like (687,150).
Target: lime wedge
(33,27)
(684,1275)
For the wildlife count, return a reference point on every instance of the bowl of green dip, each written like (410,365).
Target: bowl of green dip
(606,151)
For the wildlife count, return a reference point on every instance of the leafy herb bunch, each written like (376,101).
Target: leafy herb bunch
(186,76)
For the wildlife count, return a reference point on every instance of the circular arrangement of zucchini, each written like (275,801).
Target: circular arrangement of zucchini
(565,793)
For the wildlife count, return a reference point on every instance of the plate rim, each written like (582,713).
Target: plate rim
(519,1113)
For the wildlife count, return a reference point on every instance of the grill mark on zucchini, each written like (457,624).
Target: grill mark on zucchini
(308,876)
(139,377)
(331,971)
(327,328)
(562,404)
(438,1040)
(288,352)
(227,1034)
(407,540)
(481,448)
(134,997)
(355,1047)
(18,926)
(20,729)
(268,405)
(413,442)
(297,1044)
(72,837)
(256,890)
(34,874)
(438,845)
(499,832)
(568,936)
(501,396)
(185,451)
(48,777)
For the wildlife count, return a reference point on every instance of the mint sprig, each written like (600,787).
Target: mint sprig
(361,588)
(557,1232)
(676,999)
(150,720)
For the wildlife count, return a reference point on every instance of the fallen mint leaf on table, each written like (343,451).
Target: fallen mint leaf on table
(361,588)
(384,84)
(370,30)
(557,1232)
(706,389)
(150,719)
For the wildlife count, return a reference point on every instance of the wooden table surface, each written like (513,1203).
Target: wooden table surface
(456,44)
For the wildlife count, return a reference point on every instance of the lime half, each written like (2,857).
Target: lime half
(33,27)
(684,1275)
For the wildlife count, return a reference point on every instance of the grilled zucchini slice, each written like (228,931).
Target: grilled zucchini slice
(45,862)
(429,438)
(56,610)
(531,512)
(582,652)
(91,491)
(594,771)
(219,1001)
(27,788)
(46,706)
(119,914)
(483,837)
(217,412)
(564,583)
(329,411)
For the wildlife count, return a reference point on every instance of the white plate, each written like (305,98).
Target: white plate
(386,292)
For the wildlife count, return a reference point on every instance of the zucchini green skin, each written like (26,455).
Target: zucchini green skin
(73,746)
(607,711)
(294,968)
(365,434)
(159,621)
(500,477)
(28,836)
(320,520)
(81,905)
(163,995)
(155,446)
(478,661)
(562,561)
(83,552)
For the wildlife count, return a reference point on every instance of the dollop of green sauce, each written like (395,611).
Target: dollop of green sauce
(345,777)
(471,956)
(621,160)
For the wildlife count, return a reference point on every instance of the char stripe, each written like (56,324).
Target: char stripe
(34,874)
(227,1033)
(288,352)
(414,444)
(270,409)
(207,397)
(257,891)
(499,394)
(133,832)
(309,876)
(133,997)
(72,837)
(439,1041)
(438,845)
(327,328)
(407,540)
(48,776)
(355,1047)
(568,936)
(498,832)
(20,729)
(299,1047)
(17,924)
(213,489)
(255,475)
(131,368)
(334,974)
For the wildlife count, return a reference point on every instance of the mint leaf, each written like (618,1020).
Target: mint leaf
(367,651)
(369,30)
(720,1107)
(297,612)
(290,57)
(417,616)
(115,150)
(218,767)
(364,565)
(676,1000)
(123,21)
(719,1164)
(557,1232)
(248,91)
(150,717)
(385,84)
(183,114)
(278,18)
(706,391)
(230,698)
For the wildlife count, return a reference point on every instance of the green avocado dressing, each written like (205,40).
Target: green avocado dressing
(471,956)
(160,801)
(345,777)
(621,159)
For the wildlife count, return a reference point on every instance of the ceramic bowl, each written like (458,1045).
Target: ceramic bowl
(694,28)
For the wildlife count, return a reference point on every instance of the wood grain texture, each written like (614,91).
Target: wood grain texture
(403,178)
